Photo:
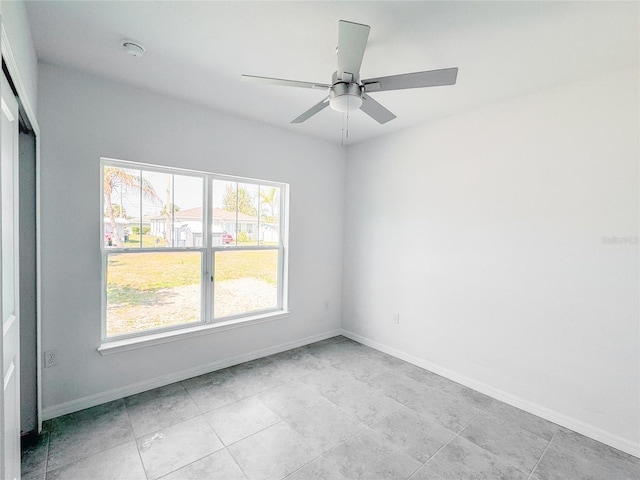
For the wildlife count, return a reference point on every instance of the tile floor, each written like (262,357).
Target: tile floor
(331,410)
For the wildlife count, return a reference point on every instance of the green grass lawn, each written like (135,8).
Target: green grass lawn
(148,241)
(148,271)
(234,264)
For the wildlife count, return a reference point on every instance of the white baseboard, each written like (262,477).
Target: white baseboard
(571,423)
(121,392)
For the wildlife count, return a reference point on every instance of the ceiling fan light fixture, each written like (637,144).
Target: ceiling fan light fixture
(345,97)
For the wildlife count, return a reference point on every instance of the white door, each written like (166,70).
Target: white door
(9,307)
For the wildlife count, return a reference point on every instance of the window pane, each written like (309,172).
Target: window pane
(121,188)
(152,290)
(245,281)
(269,215)
(168,211)
(223,213)
(186,209)
(248,204)
(156,212)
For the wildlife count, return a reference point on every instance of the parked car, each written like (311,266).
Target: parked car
(227,238)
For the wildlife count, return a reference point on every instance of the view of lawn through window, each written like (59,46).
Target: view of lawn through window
(181,248)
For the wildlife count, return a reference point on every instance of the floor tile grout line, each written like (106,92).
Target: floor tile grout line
(135,441)
(368,426)
(236,462)
(283,419)
(451,439)
(256,395)
(327,451)
(515,424)
(171,424)
(224,447)
(46,458)
(505,460)
(346,439)
(191,397)
(46,463)
(541,456)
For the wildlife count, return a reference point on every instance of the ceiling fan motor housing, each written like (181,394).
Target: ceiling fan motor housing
(345,97)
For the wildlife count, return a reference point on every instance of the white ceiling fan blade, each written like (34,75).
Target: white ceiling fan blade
(431,78)
(312,111)
(283,82)
(352,40)
(375,110)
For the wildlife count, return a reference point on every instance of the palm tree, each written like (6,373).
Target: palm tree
(168,211)
(119,211)
(115,177)
(239,199)
(269,198)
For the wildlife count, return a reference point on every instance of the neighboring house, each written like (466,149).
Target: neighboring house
(121,224)
(225,221)
(161,226)
(187,227)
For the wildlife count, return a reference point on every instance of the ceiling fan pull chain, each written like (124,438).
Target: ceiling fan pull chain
(348,118)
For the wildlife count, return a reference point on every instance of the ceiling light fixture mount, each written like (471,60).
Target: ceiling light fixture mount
(133,48)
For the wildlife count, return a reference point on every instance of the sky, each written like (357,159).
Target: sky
(184,191)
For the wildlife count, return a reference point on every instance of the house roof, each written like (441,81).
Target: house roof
(119,220)
(218,214)
(138,220)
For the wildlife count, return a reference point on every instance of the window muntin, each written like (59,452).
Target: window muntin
(199,248)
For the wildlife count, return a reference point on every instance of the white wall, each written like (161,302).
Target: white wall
(485,232)
(83,118)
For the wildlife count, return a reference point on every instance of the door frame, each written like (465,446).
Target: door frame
(10,347)
(27,105)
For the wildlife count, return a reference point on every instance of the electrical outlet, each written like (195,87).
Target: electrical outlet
(50,358)
(396,318)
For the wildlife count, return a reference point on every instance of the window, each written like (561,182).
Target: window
(182,248)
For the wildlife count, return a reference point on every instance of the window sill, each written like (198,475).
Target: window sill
(116,346)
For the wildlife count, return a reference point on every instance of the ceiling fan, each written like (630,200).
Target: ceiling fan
(347,92)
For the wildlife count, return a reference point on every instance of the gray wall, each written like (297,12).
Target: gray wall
(28,356)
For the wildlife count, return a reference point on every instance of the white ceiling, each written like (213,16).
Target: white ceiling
(196,51)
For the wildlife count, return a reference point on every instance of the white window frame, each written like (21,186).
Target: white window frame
(208,252)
